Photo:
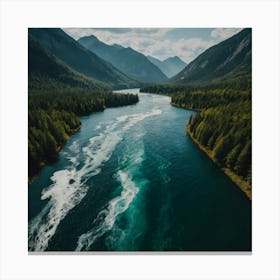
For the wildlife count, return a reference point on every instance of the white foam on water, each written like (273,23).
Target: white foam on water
(122,118)
(105,221)
(69,187)
(74,147)
(107,217)
(65,192)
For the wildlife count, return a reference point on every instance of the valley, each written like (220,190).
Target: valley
(131,152)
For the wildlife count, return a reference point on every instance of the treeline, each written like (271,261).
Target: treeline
(167,89)
(235,83)
(52,119)
(222,126)
(119,99)
(48,130)
(225,131)
(80,101)
(203,99)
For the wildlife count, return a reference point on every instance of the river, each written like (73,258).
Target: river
(132,180)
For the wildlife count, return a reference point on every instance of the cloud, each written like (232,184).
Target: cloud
(195,44)
(76,33)
(224,33)
(155,41)
(187,49)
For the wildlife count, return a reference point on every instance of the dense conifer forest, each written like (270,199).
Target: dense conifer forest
(52,119)
(61,88)
(58,94)
(217,84)
(221,126)
(225,131)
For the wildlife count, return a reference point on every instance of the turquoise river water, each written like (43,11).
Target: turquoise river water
(132,180)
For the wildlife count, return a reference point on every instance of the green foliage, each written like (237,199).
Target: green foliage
(218,85)
(225,130)
(52,119)
(114,99)
(232,156)
(239,83)
(48,130)
(65,80)
(223,122)
(203,99)
(243,164)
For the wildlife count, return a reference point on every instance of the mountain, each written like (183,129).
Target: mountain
(45,71)
(175,65)
(127,60)
(170,66)
(79,58)
(229,60)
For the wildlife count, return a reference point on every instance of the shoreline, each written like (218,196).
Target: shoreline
(185,107)
(239,182)
(59,149)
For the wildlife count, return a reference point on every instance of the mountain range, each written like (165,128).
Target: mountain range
(47,72)
(229,60)
(170,66)
(56,59)
(127,60)
(80,59)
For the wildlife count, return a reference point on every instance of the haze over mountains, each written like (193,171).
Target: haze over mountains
(229,60)
(132,63)
(170,66)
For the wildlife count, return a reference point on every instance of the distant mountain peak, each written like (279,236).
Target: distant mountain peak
(89,37)
(174,58)
(170,66)
(118,46)
(130,62)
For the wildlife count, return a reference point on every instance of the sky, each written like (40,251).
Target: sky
(161,43)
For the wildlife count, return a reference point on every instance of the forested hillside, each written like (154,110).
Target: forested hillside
(229,60)
(225,131)
(222,126)
(66,49)
(52,119)
(57,94)
(47,72)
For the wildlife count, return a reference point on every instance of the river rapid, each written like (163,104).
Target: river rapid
(132,180)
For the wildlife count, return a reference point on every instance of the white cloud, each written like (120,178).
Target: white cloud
(76,33)
(187,49)
(152,41)
(224,33)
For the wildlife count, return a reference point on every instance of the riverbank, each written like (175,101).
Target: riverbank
(54,118)
(184,107)
(242,184)
(59,149)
